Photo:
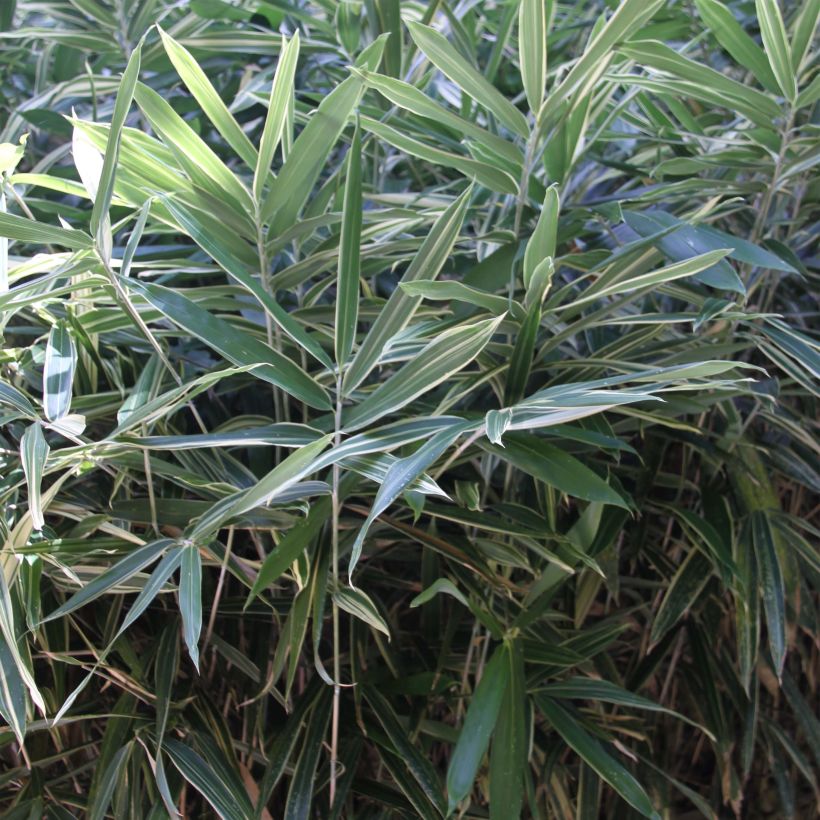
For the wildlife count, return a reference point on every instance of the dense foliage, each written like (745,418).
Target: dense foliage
(409,409)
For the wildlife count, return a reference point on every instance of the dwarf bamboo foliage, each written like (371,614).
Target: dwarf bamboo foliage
(408,409)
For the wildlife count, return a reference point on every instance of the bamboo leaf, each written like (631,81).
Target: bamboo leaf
(361,606)
(347,296)
(100,224)
(591,751)
(532,47)
(280,93)
(447,354)
(190,599)
(236,347)
(400,307)
(453,65)
(58,372)
(777,48)
(34,451)
(474,737)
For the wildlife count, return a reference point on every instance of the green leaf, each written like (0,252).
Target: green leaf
(34,451)
(205,94)
(291,189)
(630,16)
(347,291)
(10,637)
(757,106)
(479,723)
(100,224)
(166,669)
(521,360)
(542,243)
(27,230)
(280,95)
(124,569)
(532,48)
(214,786)
(290,547)
(58,372)
(159,577)
(555,467)
(234,345)
(412,99)
(488,175)
(678,270)
(592,752)
(459,292)
(417,763)
(108,782)
(496,422)
(12,693)
(359,605)
(772,586)
(776,44)
(302,784)
(508,756)
(399,477)
(294,468)
(400,308)
(207,236)
(453,65)
(445,355)
(595,689)
(683,590)
(191,152)
(190,599)
(730,34)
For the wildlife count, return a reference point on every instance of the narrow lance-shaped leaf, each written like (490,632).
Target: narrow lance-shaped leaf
(27,230)
(479,723)
(347,295)
(772,586)
(542,243)
(773,33)
(400,307)
(190,599)
(305,161)
(508,756)
(12,693)
(627,18)
(418,764)
(730,34)
(301,792)
(8,630)
(206,95)
(108,782)
(444,356)
(58,372)
(280,93)
(222,254)
(213,786)
(118,574)
(683,590)
(100,226)
(360,605)
(532,48)
(236,346)
(465,76)
(592,752)
(555,467)
(294,468)
(33,453)
(400,475)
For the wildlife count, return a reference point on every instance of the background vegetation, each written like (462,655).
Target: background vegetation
(409,409)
